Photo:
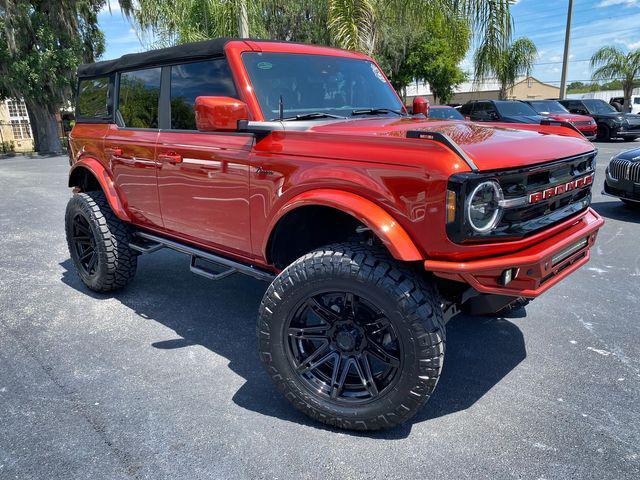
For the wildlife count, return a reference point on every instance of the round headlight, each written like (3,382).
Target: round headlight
(483,206)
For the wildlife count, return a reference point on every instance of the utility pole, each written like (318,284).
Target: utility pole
(243,20)
(565,59)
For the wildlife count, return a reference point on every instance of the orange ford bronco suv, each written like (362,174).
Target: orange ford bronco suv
(299,165)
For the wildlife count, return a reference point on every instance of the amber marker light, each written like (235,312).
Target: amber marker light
(451,206)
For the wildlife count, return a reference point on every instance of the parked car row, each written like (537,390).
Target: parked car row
(592,117)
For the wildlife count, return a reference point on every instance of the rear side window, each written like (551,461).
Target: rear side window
(138,96)
(191,80)
(93,98)
(466,108)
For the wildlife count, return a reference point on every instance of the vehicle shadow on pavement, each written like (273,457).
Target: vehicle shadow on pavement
(616,210)
(221,316)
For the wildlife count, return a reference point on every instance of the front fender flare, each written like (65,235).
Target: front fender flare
(381,223)
(106,183)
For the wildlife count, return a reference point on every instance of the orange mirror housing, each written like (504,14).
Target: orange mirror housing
(421,105)
(219,113)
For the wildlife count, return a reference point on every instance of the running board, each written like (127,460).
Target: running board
(153,243)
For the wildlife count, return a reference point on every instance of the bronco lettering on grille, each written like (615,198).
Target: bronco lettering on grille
(562,188)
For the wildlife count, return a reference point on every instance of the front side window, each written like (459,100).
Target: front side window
(306,84)
(138,96)
(93,97)
(191,80)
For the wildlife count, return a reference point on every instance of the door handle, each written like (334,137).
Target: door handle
(114,151)
(170,157)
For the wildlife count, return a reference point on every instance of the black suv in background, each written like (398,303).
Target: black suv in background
(611,123)
(506,111)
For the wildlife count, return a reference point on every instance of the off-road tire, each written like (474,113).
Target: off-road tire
(116,262)
(411,304)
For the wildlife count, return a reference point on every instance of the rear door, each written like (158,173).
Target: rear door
(203,177)
(130,144)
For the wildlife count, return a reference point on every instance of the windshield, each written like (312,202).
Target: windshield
(317,84)
(598,106)
(548,106)
(514,108)
(445,113)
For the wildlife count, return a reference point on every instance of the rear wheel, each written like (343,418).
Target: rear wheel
(99,243)
(352,338)
(604,132)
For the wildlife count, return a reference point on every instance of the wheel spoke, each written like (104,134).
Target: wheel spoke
(309,333)
(323,312)
(364,372)
(86,254)
(92,262)
(349,306)
(380,353)
(304,365)
(316,364)
(339,376)
(84,229)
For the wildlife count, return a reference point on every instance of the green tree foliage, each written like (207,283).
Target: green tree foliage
(41,44)
(507,64)
(611,63)
(390,30)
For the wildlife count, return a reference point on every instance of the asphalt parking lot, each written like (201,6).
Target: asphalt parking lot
(162,380)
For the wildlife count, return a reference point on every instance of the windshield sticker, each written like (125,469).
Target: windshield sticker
(265,65)
(378,73)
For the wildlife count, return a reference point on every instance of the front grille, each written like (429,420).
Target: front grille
(522,216)
(620,169)
(582,123)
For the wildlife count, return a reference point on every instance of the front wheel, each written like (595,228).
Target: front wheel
(604,133)
(99,243)
(352,338)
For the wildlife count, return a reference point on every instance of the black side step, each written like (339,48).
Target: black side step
(152,243)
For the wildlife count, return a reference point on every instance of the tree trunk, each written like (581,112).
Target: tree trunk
(503,92)
(44,126)
(627,88)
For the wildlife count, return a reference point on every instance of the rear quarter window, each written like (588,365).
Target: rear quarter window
(93,98)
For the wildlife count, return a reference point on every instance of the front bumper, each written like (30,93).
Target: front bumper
(536,268)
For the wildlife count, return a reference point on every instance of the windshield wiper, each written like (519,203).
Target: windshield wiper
(375,111)
(310,116)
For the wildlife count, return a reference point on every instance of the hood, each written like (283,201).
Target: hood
(489,146)
(533,119)
(631,155)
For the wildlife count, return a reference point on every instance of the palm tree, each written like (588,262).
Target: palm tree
(506,64)
(355,23)
(611,63)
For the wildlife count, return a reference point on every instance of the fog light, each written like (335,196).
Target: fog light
(508,275)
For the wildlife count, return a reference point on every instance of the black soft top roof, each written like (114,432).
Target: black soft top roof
(184,52)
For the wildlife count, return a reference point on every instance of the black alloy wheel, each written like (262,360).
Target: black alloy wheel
(84,244)
(343,347)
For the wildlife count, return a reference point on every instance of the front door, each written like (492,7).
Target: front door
(203,178)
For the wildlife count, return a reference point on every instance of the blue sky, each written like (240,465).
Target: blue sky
(595,23)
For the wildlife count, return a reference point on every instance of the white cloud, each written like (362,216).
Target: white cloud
(611,3)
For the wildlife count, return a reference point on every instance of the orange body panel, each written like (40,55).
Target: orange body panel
(226,191)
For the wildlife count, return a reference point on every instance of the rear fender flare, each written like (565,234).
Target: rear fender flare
(103,177)
(381,223)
